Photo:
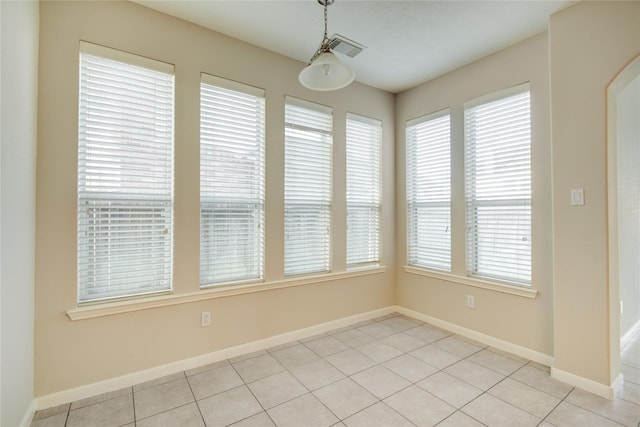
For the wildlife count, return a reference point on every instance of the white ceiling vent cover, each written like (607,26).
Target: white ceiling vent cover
(343,45)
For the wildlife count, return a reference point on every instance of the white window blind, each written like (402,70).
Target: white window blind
(428,142)
(307,187)
(125,175)
(498,187)
(364,143)
(232,184)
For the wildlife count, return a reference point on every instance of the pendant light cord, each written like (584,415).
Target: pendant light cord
(324,45)
(326,20)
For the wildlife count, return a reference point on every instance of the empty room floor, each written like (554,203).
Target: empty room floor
(390,371)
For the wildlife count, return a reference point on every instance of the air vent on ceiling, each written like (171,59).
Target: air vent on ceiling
(343,45)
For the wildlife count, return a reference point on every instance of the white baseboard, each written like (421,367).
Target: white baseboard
(507,346)
(618,385)
(608,392)
(129,380)
(628,336)
(28,416)
(602,390)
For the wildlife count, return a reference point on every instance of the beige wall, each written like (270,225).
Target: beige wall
(568,69)
(75,353)
(570,317)
(518,320)
(19,90)
(591,43)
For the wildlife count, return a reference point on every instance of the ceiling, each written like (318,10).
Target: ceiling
(408,42)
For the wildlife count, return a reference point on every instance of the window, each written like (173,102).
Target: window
(498,186)
(428,161)
(307,187)
(232,184)
(125,175)
(364,142)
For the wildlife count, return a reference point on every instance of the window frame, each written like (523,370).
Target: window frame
(242,210)
(443,197)
(371,172)
(472,206)
(113,203)
(313,211)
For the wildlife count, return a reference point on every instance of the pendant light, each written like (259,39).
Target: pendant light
(325,71)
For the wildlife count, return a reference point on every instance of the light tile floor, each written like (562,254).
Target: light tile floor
(391,371)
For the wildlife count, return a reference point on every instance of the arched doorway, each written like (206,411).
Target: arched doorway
(623,152)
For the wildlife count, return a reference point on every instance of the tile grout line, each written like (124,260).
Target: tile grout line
(517,407)
(186,377)
(166,410)
(381,340)
(66,420)
(379,400)
(454,363)
(535,388)
(463,413)
(340,420)
(509,403)
(311,392)
(554,408)
(411,383)
(416,382)
(251,391)
(133,400)
(593,412)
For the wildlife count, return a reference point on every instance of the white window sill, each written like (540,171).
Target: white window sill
(478,283)
(109,309)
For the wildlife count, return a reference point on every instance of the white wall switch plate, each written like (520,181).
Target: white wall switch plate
(577,196)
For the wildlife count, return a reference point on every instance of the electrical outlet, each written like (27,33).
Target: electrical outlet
(471,301)
(206,318)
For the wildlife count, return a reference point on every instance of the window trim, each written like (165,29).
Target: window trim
(414,122)
(157,66)
(256,92)
(476,282)
(520,88)
(328,111)
(378,205)
(93,311)
(129,58)
(497,95)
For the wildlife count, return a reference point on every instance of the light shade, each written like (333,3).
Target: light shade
(326,72)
